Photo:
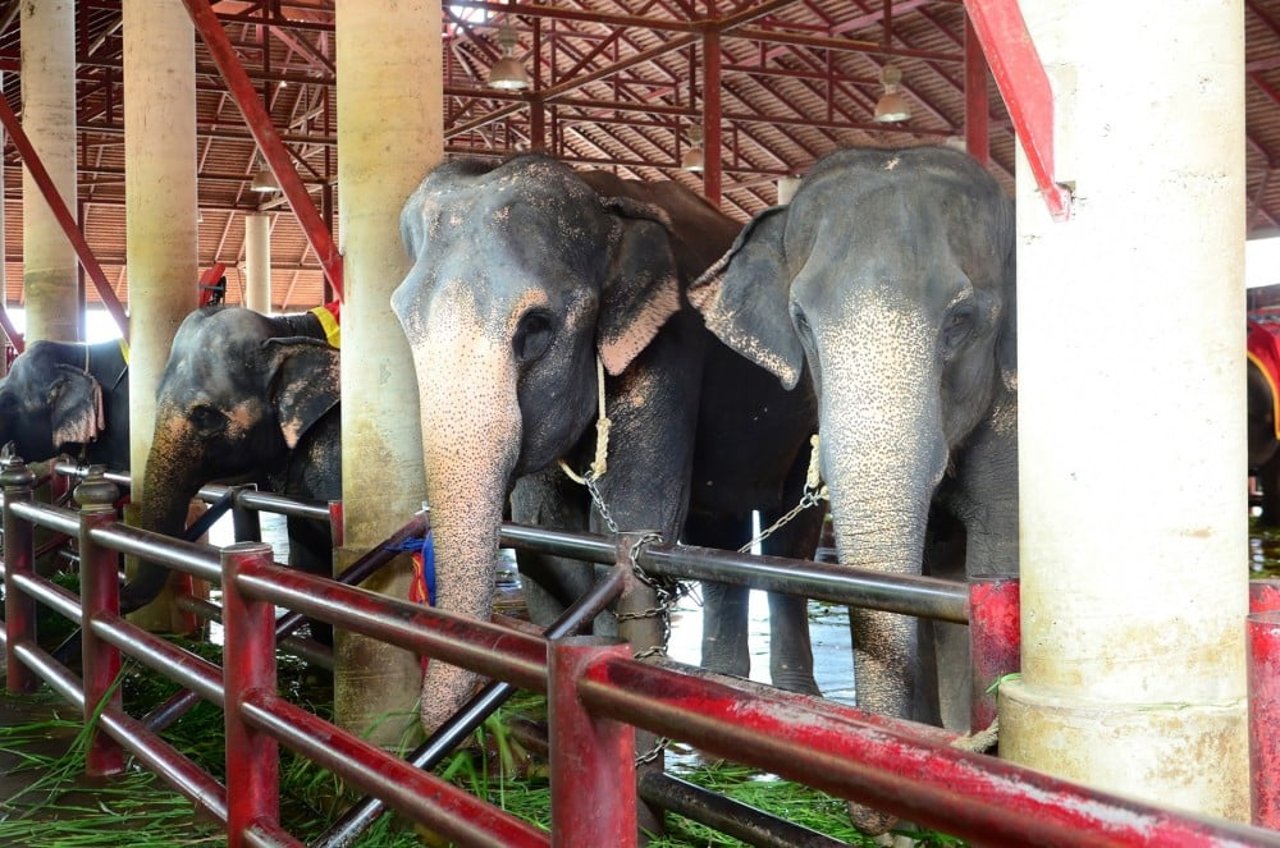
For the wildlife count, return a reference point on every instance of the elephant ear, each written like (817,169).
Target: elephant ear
(744,298)
(304,384)
(642,286)
(75,406)
(1007,337)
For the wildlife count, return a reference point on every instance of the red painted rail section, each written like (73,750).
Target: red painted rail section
(1264,700)
(995,641)
(906,770)
(1024,86)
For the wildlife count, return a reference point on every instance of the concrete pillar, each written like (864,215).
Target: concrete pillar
(49,120)
(1131,426)
(257,262)
(390,131)
(160,152)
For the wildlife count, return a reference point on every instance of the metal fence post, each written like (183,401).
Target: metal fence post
(995,641)
(19,558)
(246,523)
(1264,595)
(1264,717)
(99,595)
(249,666)
(593,771)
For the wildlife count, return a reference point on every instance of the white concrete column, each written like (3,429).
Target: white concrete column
(160,204)
(49,120)
(1132,435)
(257,262)
(390,131)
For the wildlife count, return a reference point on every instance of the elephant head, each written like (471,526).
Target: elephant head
(54,400)
(523,276)
(236,396)
(890,273)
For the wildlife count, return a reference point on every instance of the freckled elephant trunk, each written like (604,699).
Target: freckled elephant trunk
(471,438)
(168,487)
(883,452)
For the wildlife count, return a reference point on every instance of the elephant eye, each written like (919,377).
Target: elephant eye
(206,418)
(533,336)
(956,328)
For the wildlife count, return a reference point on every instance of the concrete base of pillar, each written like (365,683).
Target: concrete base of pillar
(1118,747)
(375,686)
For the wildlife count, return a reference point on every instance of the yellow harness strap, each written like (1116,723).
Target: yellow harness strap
(332,332)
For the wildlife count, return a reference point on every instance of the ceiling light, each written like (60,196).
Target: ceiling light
(893,105)
(508,73)
(264,182)
(692,159)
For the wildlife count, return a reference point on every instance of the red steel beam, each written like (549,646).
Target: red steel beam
(1023,84)
(711,118)
(63,215)
(977,129)
(268,139)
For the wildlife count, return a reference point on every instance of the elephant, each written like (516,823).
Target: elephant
(891,274)
(243,397)
(1263,435)
(68,397)
(527,277)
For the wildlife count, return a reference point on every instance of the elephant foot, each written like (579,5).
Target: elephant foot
(800,684)
(871,821)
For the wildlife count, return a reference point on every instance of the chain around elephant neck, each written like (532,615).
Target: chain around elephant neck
(815,492)
(601,462)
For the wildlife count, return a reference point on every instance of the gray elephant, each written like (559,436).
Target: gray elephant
(524,274)
(891,273)
(68,397)
(244,397)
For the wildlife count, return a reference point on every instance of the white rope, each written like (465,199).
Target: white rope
(601,462)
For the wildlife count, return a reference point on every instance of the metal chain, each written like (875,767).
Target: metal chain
(811,497)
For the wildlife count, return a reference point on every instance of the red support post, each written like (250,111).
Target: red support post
(100,596)
(337,531)
(593,769)
(249,652)
(712,133)
(995,641)
(1264,717)
(19,558)
(977,109)
(1264,595)
(268,138)
(1024,86)
(84,253)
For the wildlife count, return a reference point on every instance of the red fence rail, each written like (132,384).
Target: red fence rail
(597,694)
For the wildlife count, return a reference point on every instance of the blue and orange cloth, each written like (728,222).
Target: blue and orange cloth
(422,590)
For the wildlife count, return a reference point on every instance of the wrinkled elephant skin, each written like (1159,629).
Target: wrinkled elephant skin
(66,397)
(244,397)
(891,274)
(524,274)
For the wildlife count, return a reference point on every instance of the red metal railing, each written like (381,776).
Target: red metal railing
(597,693)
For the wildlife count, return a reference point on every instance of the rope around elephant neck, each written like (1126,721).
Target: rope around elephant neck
(815,492)
(601,463)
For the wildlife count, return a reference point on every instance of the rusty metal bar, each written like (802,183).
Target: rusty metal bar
(31,159)
(1264,717)
(712,130)
(593,767)
(968,795)
(19,561)
(249,659)
(995,641)
(99,594)
(977,120)
(265,134)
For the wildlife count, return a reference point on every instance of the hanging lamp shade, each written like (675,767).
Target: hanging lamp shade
(892,105)
(692,160)
(508,73)
(264,182)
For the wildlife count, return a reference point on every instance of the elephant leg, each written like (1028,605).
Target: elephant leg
(551,583)
(790,651)
(725,616)
(311,551)
(1269,478)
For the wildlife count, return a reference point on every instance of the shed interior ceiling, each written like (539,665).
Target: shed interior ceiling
(619,84)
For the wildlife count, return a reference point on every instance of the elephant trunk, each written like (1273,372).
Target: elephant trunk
(884,452)
(471,439)
(168,486)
